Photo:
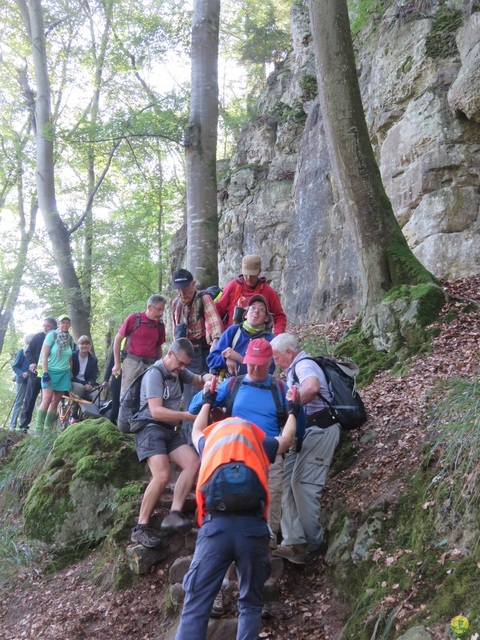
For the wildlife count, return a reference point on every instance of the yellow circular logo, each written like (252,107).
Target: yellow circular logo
(459,625)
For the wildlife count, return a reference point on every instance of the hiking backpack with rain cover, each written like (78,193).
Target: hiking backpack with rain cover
(347,406)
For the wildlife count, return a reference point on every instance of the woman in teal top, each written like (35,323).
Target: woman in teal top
(56,378)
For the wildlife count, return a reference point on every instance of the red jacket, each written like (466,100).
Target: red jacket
(237,293)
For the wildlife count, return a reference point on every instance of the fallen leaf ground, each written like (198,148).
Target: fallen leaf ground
(68,606)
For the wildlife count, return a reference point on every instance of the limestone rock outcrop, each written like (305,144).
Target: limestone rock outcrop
(278,198)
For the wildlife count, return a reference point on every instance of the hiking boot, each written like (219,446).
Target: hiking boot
(176,522)
(322,549)
(144,535)
(221,602)
(266,612)
(295,553)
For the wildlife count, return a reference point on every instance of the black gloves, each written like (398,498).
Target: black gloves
(209,398)
(294,408)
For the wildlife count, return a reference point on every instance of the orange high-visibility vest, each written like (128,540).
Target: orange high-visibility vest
(232,440)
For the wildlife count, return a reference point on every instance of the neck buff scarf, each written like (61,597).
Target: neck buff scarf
(249,329)
(62,339)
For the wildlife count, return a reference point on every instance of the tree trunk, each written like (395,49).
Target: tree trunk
(12,290)
(44,140)
(86,278)
(385,259)
(201,145)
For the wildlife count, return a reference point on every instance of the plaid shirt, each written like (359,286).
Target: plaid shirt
(201,316)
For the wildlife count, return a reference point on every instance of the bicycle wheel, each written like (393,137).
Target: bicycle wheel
(64,414)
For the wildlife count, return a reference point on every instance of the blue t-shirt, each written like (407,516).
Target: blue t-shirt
(254,402)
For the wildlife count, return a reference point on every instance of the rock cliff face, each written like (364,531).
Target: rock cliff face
(419,73)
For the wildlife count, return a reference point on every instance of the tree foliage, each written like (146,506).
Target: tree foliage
(256,34)
(119,105)
(116,130)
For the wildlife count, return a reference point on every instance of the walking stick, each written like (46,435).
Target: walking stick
(13,404)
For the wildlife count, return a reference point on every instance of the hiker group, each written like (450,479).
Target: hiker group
(52,364)
(258,447)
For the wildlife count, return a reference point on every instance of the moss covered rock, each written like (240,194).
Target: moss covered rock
(72,502)
(402,316)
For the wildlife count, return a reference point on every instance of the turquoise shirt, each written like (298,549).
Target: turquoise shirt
(58,361)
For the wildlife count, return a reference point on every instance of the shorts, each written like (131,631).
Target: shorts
(154,440)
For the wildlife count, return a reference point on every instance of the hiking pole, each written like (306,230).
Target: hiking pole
(10,411)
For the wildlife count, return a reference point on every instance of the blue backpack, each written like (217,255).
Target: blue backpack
(234,487)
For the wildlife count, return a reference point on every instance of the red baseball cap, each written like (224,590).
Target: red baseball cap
(259,351)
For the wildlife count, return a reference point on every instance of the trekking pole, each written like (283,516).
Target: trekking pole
(10,411)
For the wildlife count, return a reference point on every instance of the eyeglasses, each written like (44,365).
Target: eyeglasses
(159,309)
(181,364)
(259,309)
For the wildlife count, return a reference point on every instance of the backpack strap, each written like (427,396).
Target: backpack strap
(234,384)
(136,324)
(329,404)
(278,396)
(236,337)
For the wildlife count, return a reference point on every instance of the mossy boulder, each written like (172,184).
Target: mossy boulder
(72,502)
(400,320)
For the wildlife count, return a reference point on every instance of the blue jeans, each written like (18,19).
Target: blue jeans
(221,541)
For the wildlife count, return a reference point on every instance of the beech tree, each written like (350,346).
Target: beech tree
(201,145)
(11,278)
(385,259)
(83,136)
(44,128)
(18,201)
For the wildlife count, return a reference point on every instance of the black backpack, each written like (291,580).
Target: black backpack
(347,406)
(234,487)
(130,405)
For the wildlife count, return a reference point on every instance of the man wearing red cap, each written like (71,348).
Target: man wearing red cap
(254,401)
(238,292)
